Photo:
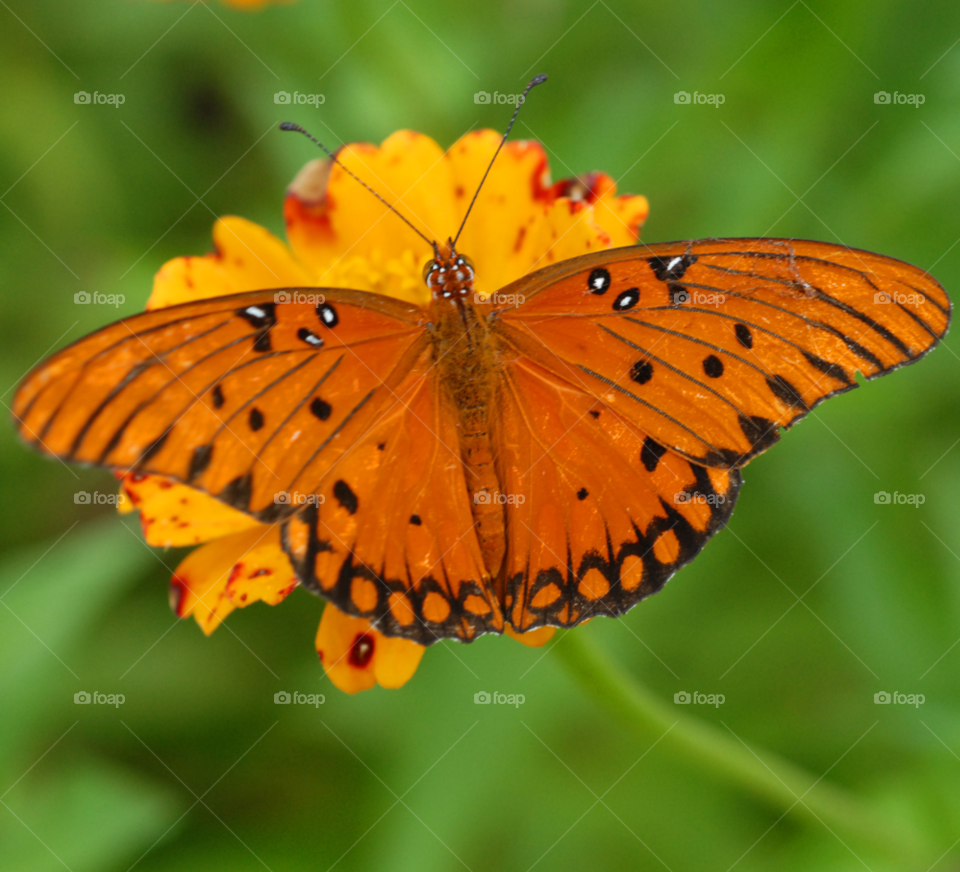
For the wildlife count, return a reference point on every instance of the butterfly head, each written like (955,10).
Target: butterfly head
(449,275)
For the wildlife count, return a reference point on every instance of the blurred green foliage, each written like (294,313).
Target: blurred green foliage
(99,197)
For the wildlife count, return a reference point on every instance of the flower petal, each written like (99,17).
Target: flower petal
(173,515)
(334,225)
(356,656)
(247,258)
(232,573)
(532,638)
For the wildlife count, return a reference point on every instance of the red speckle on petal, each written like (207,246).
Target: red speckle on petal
(260,572)
(361,651)
(177,587)
(459,191)
(522,232)
(165,485)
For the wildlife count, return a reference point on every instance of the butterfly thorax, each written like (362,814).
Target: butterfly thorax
(467,354)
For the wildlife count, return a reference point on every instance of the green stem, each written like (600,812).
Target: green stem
(703,746)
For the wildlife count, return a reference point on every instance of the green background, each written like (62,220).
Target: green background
(485,788)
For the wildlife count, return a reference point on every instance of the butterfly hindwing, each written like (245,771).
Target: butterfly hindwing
(598,514)
(711,346)
(392,536)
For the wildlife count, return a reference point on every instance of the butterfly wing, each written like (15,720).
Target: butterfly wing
(332,410)
(598,516)
(393,538)
(242,397)
(638,380)
(711,346)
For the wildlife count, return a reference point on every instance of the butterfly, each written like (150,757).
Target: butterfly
(537,457)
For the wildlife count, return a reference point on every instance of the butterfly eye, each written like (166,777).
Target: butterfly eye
(430,266)
(467,262)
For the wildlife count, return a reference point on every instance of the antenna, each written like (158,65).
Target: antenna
(536,80)
(289,125)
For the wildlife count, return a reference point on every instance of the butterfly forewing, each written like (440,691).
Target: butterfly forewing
(242,397)
(711,346)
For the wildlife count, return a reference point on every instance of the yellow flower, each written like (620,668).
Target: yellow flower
(341,236)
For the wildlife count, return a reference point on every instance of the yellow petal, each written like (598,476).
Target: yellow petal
(532,638)
(356,656)
(173,515)
(247,258)
(232,573)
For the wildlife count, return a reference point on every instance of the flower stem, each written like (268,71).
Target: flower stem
(703,746)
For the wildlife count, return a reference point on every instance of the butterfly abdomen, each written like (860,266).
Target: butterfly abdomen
(468,360)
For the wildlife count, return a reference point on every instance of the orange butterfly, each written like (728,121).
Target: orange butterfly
(533,458)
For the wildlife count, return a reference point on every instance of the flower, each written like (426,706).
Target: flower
(341,236)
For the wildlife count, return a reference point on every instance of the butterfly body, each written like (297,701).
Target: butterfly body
(476,463)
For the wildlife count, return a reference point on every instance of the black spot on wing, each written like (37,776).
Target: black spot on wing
(309,337)
(650,454)
(261,316)
(255,419)
(237,492)
(833,370)
(786,392)
(583,493)
(713,366)
(327,315)
(345,496)
(641,372)
(599,281)
(744,336)
(671,268)
(217,396)
(320,408)
(262,342)
(415,519)
(626,300)
(200,460)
